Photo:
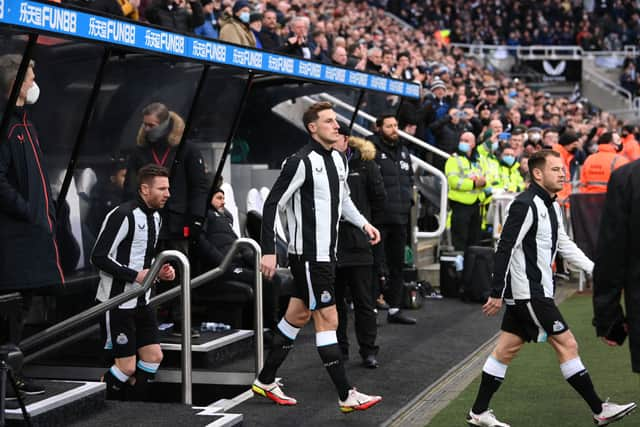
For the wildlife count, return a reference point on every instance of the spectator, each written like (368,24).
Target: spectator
(27,211)
(297,43)
(447,131)
(268,36)
(175,15)
(630,146)
(208,28)
(339,56)
(255,23)
(130,9)
(321,52)
(235,28)
(112,7)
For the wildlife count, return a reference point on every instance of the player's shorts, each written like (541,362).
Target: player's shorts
(126,330)
(534,320)
(313,282)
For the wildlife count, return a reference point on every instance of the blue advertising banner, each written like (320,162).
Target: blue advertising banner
(70,22)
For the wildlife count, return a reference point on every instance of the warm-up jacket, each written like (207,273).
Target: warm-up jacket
(395,167)
(532,235)
(618,258)
(29,255)
(188,183)
(367,193)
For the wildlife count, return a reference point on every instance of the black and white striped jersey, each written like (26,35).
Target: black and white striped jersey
(312,190)
(126,245)
(532,234)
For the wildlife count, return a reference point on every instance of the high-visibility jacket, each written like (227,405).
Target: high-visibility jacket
(630,147)
(460,170)
(510,178)
(567,157)
(597,169)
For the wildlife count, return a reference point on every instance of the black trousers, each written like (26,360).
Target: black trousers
(465,225)
(12,321)
(394,239)
(358,279)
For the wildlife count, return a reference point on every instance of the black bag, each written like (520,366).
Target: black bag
(476,277)
(450,278)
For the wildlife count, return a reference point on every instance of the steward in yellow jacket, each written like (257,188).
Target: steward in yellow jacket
(466,183)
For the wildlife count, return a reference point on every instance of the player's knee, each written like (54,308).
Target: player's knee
(299,318)
(571,346)
(127,367)
(154,356)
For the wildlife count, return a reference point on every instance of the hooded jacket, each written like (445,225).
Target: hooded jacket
(368,194)
(29,256)
(395,167)
(188,183)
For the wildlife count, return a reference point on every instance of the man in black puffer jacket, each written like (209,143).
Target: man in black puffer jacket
(395,166)
(354,250)
(213,245)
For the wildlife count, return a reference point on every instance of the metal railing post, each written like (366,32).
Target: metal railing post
(259,361)
(185,362)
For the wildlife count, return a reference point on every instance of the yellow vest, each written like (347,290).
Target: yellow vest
(460,171)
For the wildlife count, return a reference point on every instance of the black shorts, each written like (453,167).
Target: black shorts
(534,320)
(313,282)
(126,330)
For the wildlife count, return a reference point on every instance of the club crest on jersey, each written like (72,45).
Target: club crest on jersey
(325,297)
(122,339)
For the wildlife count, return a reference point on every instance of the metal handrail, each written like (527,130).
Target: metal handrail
(442,220)
(217,272)
(605,83)
(95,311)
(184,289)
(369,117)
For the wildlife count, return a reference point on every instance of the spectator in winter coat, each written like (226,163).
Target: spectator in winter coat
(235,28)
(174,15)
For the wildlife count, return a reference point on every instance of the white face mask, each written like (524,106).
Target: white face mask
(33,94)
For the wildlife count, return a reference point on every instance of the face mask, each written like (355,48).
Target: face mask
(464,147)
(158,132)
(494,146)
(508,160)
(244,17)
(33,94)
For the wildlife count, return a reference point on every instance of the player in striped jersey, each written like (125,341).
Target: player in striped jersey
(123,253)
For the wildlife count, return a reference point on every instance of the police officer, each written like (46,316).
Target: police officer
(395,166)
(466,183)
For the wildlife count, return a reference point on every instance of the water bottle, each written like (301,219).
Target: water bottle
(214,326)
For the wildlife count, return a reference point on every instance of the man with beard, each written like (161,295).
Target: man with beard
(312,189)
(395,166)
(159,142)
